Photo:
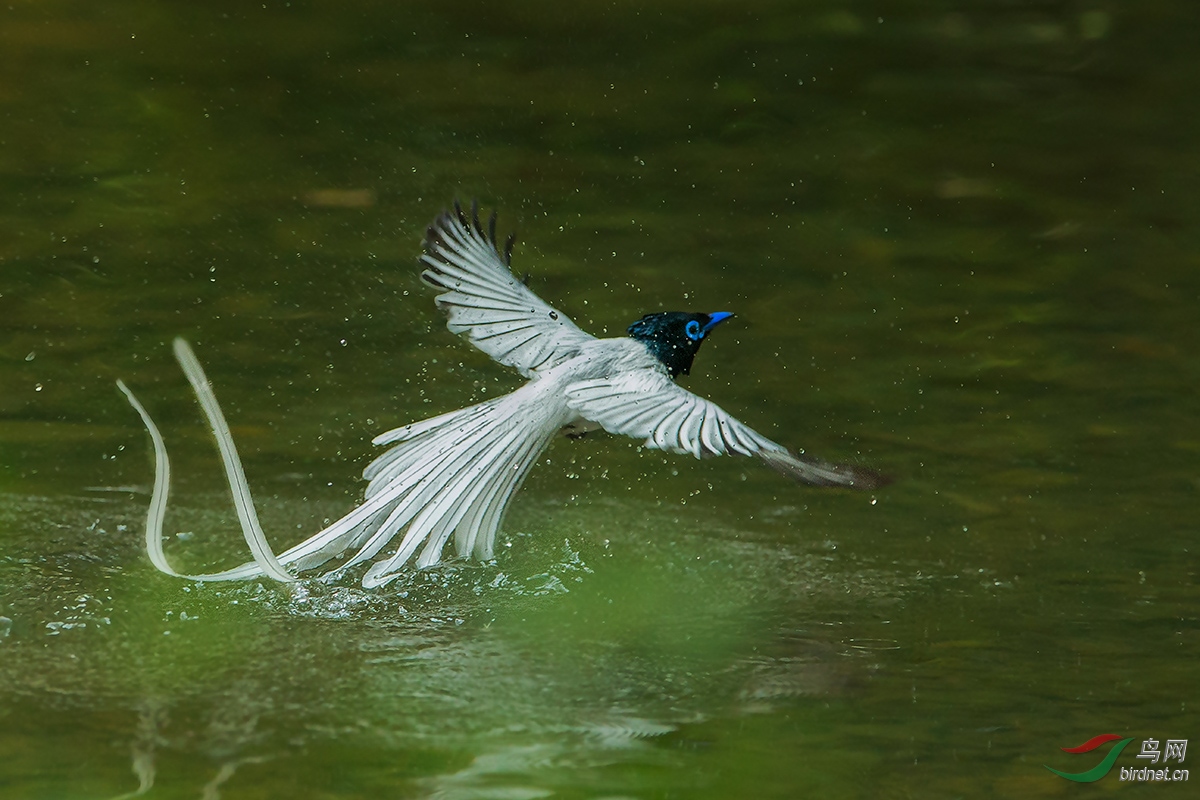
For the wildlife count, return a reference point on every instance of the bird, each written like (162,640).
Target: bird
(453,475)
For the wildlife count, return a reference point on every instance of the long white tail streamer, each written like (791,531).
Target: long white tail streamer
(162,486)
(251,530)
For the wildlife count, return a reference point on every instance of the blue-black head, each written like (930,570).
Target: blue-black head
(674,337)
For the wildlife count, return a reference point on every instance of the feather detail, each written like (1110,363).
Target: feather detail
(822,473)
(450,475)
(475,478)
(646,404)
(482,298)
(455,478)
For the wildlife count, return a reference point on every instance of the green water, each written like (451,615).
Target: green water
(961,242)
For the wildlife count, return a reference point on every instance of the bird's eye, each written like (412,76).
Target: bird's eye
(692,329)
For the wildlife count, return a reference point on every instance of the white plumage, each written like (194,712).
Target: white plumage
(454,475)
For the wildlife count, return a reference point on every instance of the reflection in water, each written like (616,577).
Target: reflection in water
(536,683)
(802,668)
(152,719)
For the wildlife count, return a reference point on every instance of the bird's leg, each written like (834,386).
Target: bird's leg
(578,429)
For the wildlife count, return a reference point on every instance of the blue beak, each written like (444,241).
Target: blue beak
(716,318)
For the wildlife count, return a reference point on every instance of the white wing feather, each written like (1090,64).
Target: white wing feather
(482,299)
(646,404)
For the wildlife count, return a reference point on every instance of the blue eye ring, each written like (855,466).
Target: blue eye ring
(692,329)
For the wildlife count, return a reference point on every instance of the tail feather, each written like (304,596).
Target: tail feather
(455,502)
(337,546)
(418,486)
(409,478)
(397,459)
(450,475)
(414,429)
(477,534)
(480,537)
(459,485)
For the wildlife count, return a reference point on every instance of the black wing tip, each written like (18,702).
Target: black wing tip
(815,472)
(434,279)
(864,479)
(508,248)
(852,476)
(475,216)
(470,223)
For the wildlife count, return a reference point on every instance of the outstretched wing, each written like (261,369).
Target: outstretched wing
(482,299)
(647,404)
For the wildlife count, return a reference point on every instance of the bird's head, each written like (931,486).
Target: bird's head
(674,337)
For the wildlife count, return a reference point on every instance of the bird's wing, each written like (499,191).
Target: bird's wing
(482,299)
(647,404)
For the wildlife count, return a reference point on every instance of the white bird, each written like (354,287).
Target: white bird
(454,475)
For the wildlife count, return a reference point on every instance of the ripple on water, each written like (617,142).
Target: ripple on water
(587,644)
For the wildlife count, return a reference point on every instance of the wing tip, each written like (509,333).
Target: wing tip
(865,479)
(458,220)
(815,472)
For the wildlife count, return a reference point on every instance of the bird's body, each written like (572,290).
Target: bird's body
(453,475)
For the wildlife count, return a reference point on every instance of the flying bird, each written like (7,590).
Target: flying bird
(453,475)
